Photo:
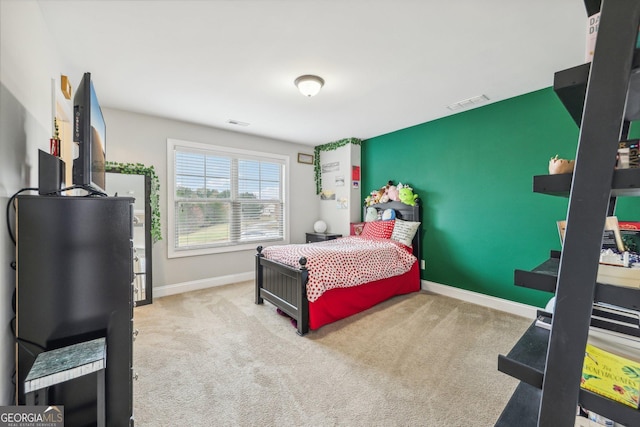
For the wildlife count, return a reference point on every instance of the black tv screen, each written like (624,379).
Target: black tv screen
(89,131)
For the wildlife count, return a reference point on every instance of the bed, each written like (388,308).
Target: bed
(284,283)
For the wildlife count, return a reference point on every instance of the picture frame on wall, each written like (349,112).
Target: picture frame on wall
(305,158)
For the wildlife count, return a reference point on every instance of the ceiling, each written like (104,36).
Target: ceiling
(387,65)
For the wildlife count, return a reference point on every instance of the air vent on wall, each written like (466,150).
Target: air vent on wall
(468,103)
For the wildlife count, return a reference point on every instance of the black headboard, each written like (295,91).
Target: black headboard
(405,212)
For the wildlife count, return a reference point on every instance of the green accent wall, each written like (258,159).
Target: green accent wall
(473,172)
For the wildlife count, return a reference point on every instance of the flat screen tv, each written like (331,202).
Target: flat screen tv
(89,132)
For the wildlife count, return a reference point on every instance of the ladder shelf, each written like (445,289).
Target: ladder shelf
(602,97)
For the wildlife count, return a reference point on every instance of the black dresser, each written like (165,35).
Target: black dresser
(74,284)
(321,237)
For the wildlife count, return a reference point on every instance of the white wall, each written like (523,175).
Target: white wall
(30,69)
(340,160)
(355,193)
(139,138)
(28,64)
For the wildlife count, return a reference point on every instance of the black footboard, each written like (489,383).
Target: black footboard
(285,287)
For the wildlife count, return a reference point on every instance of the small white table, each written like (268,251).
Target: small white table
(64,364)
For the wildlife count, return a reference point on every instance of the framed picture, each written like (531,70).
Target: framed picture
(331,167)
(305,158)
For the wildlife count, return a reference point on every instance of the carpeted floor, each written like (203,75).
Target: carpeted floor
(214,358)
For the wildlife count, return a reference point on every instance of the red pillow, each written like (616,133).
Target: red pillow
(378,229)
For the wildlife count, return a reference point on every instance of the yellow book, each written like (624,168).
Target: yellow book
(610,375)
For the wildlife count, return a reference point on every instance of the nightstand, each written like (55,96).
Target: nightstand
(321,237)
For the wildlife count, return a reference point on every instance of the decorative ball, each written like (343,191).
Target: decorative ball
(320,226)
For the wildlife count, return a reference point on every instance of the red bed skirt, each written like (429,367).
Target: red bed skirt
(338,303)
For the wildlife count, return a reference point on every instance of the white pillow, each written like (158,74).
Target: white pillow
(403,231)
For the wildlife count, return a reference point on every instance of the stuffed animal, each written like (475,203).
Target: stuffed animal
(559,166)
(371,215)
(406,195)
(383,195)
(392,192)
(377,196)
(373,197)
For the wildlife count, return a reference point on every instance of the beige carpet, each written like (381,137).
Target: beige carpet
(214,358)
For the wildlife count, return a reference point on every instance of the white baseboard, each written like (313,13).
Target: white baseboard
(516,308)
(178,288)
(512,307)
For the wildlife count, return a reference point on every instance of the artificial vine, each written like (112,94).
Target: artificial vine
(328,147)
(154,195)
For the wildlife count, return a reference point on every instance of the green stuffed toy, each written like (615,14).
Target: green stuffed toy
(406,195)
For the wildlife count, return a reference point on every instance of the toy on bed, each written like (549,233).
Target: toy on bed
(371,214)
(406,195)
(391,192)
(382,195)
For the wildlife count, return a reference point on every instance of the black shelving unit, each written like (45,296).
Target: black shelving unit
(74,284)
(602,97)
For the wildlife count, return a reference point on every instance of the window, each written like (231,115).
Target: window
(223,199)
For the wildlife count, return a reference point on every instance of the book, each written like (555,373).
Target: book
(611,375)
(615,314)
(630,232)
(618,343)
(611,238)
(593,23)
(628,154)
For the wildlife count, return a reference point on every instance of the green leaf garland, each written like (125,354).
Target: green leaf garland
(154,196)
(331,146)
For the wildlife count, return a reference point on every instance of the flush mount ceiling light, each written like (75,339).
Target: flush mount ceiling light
(309,85)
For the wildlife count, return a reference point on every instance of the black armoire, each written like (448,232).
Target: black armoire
(74,284)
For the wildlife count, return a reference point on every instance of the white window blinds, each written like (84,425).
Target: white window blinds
(226,198)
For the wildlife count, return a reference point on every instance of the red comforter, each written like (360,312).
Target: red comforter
(345,262)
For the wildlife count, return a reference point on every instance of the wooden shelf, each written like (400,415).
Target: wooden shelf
(542,278)
(526,359)
(522,409)
(624,414)
(571,86)
(526,362)
(626,182)
(617,295)
(603,98)
(592,6)
(545,276)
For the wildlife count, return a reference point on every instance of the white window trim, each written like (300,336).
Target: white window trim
(171,147)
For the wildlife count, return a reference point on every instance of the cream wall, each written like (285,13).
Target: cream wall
(139,138)
(30,69)
(30,66)
(336,175)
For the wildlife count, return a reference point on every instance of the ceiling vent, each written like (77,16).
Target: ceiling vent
(237,123)
(468,103)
